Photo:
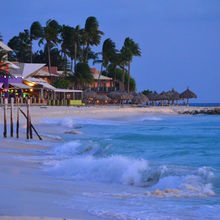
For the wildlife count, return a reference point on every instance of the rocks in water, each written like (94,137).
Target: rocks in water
(73,132)
(207,111)
(164,193)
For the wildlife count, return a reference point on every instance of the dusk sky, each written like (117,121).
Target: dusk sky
(180,40)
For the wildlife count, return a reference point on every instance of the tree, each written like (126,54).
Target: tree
(82,76)
(108,51)
(50,35)
(92,34)
(41,56)
(67,35)
(115,61)
(125,56)
(118,74)
(61,83)
(131,49)
(76,40)
(147,92)
(21,45)
(35,33)
(3,64)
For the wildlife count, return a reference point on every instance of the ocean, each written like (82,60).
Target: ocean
(142,167)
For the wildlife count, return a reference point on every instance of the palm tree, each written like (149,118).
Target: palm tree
(82,76)
(66,39)
(131,49)
(35,33)
(125,55)
(21,45)
(50,35)
(76,39)
(83,40)
(108,51)
(115,60)
(93,34)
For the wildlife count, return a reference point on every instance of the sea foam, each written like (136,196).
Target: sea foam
(77,161)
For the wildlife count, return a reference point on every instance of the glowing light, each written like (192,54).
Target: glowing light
(30,84)
(31,90)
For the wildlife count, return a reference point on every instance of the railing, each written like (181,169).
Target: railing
(105,89)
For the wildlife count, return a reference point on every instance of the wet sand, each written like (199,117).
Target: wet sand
(26,192)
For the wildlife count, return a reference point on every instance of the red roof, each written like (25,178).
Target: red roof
(94,70)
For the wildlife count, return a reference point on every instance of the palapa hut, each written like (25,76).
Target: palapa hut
(114,96)
(119,97)
(188,94)
(89,96)
(102,99)
(173,95)
(140,98)
(162,97)
(153,97)
(126,96)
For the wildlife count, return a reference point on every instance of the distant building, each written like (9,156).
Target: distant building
(106,83)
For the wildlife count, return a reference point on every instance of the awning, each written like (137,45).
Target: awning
(68,90)
(12,65)
(20,85)
(40,82)
(47,85)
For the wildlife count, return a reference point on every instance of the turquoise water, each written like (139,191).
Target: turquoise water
(142,167)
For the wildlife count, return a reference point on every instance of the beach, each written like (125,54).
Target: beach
(97,174)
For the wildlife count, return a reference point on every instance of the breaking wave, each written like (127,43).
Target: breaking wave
(78,162)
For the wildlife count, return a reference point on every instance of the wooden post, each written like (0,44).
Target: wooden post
(5,118)
(11,116)
(28,118)
(32,126)
(17,128)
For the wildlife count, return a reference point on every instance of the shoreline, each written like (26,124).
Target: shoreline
(30,193)
(103,112)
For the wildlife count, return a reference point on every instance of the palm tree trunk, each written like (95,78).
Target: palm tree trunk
(129,68)
(75,52)
(31,50)
(49,61)
(72,64)
(99,77)
(87,52)
(82,55)
(123,78)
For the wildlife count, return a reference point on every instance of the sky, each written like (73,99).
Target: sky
(179,39)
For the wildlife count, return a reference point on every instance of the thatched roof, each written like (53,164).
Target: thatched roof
(133,93)
(163,96)
(114,95)
(102,98)
(87,94)
(187,94)
(126,96)
(120,95)
(140,98)
(153,96)
(173,95)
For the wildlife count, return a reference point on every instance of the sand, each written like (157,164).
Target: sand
(37,112)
